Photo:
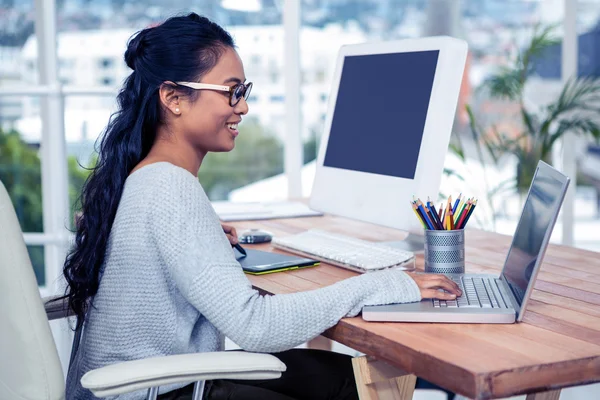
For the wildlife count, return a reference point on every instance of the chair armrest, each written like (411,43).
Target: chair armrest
(57,309)
(141,374)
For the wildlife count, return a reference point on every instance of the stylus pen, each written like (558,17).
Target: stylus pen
(240,249)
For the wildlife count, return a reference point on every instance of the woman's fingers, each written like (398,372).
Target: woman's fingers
(437,294)
(232,239)
(230,230)
(446,284)
(429,284)
(231,233)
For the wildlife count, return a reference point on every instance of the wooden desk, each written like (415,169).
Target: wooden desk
(557,345)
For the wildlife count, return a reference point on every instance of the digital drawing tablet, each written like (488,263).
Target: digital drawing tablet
(258,262)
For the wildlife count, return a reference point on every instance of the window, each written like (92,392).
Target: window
(320,76)
(20,161)
(587,211)
(36,255)
(106,63)
(106,81)
(305,77)
(255,60)
(66,63)
(274,76)
(102,30)
(20,172)
(491,48)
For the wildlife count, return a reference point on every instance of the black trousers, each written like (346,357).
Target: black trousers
(311,375)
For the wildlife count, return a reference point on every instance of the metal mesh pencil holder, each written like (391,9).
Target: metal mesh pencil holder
(445,251)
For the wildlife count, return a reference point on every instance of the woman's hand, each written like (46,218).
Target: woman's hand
(231,233)
(429,284)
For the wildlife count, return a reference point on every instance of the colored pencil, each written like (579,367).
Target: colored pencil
(461,209)
(446,208)
(434,214)
(428,213)
(447,216)
(456,204)
(452,215)
(465,211)
(414,207)
(425,217)
(469,214)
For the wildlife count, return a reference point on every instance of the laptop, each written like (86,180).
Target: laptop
(488,298)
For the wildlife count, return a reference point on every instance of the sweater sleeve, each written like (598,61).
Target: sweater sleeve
(203,267)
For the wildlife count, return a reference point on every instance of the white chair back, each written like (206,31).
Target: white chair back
(29,365)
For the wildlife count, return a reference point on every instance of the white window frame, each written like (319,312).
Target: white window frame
(569,63)
(292,147)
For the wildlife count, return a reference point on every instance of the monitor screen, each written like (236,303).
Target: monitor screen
(380,112)
(539,213)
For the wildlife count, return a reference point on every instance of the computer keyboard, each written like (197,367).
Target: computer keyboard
(346,252)
(477,293)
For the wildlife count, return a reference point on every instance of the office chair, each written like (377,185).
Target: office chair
(30,368)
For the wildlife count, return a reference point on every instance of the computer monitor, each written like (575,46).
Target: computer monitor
(387,129)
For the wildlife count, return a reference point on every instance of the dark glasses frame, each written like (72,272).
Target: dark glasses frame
(239,90)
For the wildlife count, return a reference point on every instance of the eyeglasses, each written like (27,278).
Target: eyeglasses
(236,92)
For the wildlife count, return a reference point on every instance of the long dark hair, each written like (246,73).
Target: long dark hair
(183,48)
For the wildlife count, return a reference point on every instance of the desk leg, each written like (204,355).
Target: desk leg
(550,395)
(377,380)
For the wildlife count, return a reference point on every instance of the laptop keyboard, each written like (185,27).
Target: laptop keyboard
(477,293)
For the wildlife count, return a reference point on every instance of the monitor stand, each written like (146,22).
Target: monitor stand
(412,242)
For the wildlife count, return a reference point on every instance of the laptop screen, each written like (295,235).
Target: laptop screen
(533,231)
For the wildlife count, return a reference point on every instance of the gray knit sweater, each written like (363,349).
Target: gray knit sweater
(172,285)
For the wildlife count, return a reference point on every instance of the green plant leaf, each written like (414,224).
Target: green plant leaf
(506,84)
(581,94)
(528,121)
(542,38)
(458,150)
(576,110)
(504,186)
(578,126)
(451,172)
(510,81)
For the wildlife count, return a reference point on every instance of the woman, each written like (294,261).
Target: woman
(151,258)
